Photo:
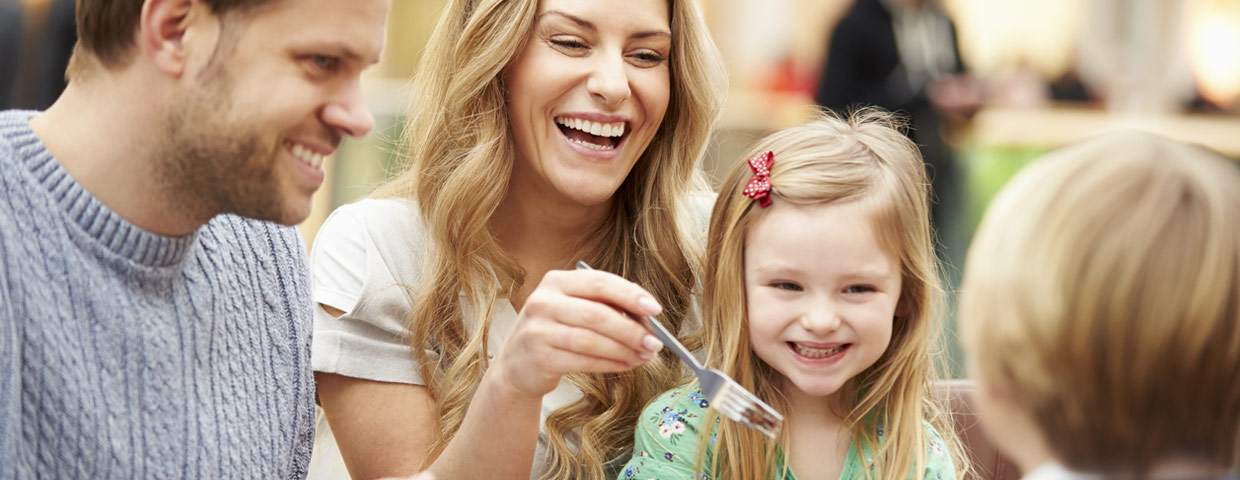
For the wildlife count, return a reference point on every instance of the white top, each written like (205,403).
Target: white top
(365,260)
(1052,470)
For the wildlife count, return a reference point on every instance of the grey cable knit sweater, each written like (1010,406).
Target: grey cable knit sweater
(125,354)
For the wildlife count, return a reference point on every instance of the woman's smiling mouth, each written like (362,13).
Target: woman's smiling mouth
(600,136)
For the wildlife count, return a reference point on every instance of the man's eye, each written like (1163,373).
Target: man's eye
(324,62)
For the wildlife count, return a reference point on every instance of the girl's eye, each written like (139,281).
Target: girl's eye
(859,289)
(789,286)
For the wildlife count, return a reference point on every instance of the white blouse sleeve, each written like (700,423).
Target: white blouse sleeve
(352,272)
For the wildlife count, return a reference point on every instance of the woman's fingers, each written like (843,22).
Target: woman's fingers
(606,288)
(575,361)
(575,321)
(595,329)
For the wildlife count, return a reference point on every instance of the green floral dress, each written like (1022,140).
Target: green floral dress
(666,443)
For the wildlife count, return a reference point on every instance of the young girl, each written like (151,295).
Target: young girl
(825,231)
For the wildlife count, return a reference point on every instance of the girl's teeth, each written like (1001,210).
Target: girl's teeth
(817,352)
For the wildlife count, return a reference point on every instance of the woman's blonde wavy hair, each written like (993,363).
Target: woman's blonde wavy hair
(460,148)
(834,160)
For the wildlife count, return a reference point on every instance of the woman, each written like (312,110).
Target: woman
(540,133)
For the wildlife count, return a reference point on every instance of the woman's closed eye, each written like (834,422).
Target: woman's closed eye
(568,44)
(647,58)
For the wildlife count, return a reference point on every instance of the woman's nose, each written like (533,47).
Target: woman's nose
(609,82)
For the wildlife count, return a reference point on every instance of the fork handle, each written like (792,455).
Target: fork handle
(670,341)
(663,335)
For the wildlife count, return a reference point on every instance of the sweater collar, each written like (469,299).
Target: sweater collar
(82,208)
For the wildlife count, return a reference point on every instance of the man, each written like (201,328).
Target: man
(153,323)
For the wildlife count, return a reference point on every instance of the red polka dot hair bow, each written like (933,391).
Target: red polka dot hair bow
(759,187)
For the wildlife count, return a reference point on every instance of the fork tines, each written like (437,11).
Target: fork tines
(738,404)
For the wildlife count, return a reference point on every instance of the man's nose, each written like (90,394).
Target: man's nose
(348,113)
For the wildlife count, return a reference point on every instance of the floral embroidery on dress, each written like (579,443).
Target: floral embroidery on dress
(676,421)
(671,422)
(670,427)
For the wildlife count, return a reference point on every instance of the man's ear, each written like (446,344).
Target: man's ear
(165,29)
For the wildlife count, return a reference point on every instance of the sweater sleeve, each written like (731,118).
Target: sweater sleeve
(667,437)
(10,384)
(294,267)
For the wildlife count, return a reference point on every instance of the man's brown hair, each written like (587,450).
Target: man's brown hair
(106,28)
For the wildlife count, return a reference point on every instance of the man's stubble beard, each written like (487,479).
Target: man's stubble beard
(210,164)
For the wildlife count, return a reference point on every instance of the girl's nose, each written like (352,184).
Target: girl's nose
(821,318)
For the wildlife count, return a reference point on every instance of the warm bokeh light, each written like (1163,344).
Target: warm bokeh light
(1003,36)
(1214,43)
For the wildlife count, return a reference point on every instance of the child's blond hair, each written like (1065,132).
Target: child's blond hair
(1102,293)
(833,160)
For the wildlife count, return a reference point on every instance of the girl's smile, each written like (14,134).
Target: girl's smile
(821,293)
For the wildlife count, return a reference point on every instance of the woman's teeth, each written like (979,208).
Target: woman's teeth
(592,146)
(307,156)
(817,352)
(593,128)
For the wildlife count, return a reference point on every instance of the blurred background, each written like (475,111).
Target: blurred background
(988,85)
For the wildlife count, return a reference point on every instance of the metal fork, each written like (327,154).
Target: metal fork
(726,396)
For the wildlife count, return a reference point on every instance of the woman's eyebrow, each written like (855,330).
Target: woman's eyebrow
(586,24)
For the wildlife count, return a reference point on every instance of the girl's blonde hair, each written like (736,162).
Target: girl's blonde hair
(1102,294)
(461,152)
(834,160)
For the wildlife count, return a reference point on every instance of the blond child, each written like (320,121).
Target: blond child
(1100,309)
(820,296)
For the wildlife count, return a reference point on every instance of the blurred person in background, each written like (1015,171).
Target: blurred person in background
(60,35)
(32,74)
(10,48)
(902,55)
(154,298)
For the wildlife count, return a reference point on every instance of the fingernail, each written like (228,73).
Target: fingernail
(651,343)
(650,305)
(645,355)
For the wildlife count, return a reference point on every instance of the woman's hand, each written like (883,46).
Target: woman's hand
(574,321)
